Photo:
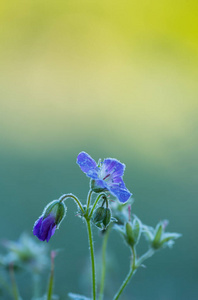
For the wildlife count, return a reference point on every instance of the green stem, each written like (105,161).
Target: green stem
(104,246)
(14,284)
(135,265)
(5,285)
(95,203)
(36,284)
(51,279)
(89,199)
(92,259)
(63,197)
(129,275)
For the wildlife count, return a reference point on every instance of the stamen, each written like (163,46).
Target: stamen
(106,176)
(129,213)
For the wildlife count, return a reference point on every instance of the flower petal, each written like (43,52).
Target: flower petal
(114,167)
(37,225)
(117,181)
(51,231)
(45,227)
(121,193)
(87,164)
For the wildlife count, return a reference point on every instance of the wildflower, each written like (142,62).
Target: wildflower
(107,175)
(49,221)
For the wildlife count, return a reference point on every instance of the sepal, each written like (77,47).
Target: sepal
(107,218)
(58,209)
(133,232)
(95,188)
(99,215)
(102,217)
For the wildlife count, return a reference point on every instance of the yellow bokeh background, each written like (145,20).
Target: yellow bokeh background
(124,70)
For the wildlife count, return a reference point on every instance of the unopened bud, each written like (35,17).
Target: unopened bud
(56,208)
(99,214)
(132,232)
(107,217)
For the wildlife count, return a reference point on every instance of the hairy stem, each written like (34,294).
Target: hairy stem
(103,273)
(92,259)
(63,197)
(89,199)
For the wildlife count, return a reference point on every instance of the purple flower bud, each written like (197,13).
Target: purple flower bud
(49,221)
(44,228)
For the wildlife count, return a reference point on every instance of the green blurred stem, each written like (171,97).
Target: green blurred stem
(95,203)
(63,197)
(51,279)
(104,246)
(5,285)
(92,258)
(15,290)
(36,284)
(128,277)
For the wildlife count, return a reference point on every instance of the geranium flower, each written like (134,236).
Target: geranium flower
(107,175)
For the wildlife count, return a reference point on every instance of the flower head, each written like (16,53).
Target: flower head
(107,175)
(49,221)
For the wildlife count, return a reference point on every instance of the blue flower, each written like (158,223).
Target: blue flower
(107,175)
(44,228)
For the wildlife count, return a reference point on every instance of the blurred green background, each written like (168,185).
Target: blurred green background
(115,79)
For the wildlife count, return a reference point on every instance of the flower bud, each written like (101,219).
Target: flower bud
(158,238)
(156,244)
(129,234)
(107,217)
(99,215)
(133,232)
(56,208)
(50,220)
(102,217)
